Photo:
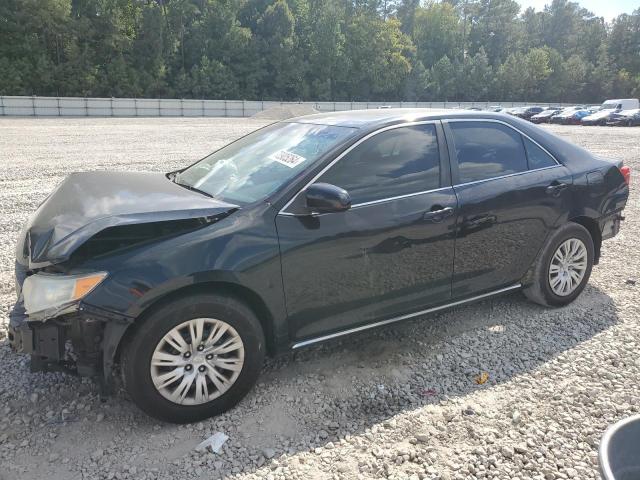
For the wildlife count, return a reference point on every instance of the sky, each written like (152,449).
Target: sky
(608,9)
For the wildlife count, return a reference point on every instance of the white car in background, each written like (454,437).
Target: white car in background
(609,107)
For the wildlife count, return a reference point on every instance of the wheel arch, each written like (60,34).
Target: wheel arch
(593,228)
(239,292)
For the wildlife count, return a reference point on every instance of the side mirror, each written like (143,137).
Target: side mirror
(326,198)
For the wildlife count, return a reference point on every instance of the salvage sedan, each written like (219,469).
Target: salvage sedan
(303,231)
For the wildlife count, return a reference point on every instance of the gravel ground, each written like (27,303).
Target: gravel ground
(400,402)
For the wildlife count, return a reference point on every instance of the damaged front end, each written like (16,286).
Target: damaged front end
(51,324)
(91,216)
(72,342)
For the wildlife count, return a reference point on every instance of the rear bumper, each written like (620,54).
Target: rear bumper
(610,225)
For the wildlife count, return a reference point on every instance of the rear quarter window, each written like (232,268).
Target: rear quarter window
(536,156)
(487,150)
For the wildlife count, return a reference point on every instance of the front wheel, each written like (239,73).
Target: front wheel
(194,358)
(563,268)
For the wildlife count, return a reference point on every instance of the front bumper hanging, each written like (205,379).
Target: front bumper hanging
(45,343)
(83,343)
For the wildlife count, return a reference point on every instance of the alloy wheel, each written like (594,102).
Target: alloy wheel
(197,361)
(568,267)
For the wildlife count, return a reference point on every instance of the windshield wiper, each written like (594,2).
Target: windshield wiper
(190,187)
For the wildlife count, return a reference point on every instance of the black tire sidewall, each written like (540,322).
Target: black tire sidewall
(137,358)
(567,232)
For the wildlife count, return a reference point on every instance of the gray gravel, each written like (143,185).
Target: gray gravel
(401,402)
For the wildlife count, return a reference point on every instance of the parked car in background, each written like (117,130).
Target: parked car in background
(514,111)
(599,117)
(527,112)
(571,117)
(303,231)
(546,115)
(621,104)
(566,110)
(496,108)
(625,118)
(603,114)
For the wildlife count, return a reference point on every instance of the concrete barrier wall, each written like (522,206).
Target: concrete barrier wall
(146,107)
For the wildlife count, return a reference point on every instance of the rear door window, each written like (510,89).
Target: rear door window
(392,163)
(487,150)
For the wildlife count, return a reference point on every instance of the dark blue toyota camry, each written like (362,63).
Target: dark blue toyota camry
(302,231)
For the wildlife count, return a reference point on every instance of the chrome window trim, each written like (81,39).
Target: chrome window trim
(349,331)
(366,204)
(335,160)
(410,124)
(505,176)
(399,197)
(493,120)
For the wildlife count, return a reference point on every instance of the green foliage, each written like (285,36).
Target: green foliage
(375,57)
(454,50)
(436,32)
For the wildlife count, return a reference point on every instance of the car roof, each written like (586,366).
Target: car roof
(375,118)
(366,121)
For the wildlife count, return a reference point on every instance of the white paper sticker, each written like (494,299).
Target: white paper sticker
(289,159)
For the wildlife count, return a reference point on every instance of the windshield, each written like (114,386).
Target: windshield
(255,166)
(609,106)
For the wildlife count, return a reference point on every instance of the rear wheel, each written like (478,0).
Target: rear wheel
(194,358)
(563,268)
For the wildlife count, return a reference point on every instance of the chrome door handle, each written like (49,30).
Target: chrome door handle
(556,188)
(438,215)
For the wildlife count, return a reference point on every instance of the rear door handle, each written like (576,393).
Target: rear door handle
(438,214)
(556,188)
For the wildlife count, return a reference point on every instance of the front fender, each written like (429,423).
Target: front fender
(227,253)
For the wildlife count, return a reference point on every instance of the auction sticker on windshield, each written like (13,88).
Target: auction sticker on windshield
(287,158)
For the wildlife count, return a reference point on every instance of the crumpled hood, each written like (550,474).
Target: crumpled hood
(84,204)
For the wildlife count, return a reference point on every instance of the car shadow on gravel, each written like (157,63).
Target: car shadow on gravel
(312,398)
(348,386)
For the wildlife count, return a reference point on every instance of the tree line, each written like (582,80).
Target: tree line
(336,50)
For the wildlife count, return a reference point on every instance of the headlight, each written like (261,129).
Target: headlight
(48,294)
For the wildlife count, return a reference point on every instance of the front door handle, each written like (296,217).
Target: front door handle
(437,214)
(556,188)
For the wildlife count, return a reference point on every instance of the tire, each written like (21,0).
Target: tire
(203,315)
(540,290)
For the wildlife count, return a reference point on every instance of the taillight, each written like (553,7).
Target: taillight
(626,173)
